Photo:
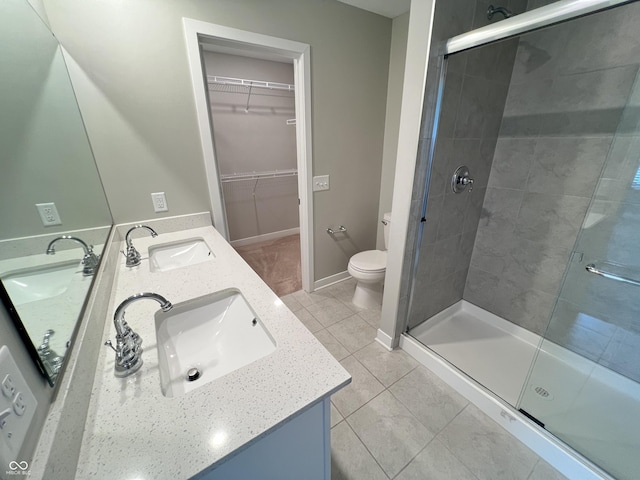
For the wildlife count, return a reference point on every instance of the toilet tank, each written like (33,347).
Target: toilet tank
(387,226)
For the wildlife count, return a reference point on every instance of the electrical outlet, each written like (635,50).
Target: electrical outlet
(48,214)
(17,408)
(320,183)
(159,202)
(8,387)
(18,404)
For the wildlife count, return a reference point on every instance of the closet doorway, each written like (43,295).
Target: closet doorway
(252,106)
(252,96)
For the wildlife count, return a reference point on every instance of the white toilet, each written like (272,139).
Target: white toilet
(368,268)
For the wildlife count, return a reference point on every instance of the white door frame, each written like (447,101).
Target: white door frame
(261,46)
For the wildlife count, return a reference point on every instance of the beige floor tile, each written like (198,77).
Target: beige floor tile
(329,311)
(436,462)
(308,320)
(386,366)
(430,399)
(363,387)
(353,332)
(332,344)
(350,460)
(485,448)
(336,418)
(390,432)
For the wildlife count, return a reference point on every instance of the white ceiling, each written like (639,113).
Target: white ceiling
(386,8)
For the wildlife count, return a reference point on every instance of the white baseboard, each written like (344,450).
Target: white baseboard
(265,237)
(330,280)
(385,340)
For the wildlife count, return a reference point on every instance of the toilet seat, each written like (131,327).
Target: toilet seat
(369,261)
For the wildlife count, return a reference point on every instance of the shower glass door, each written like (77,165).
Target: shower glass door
(583,385)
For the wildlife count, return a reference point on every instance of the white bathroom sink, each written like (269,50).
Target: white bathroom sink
(174,255)
(215,334)
(39,283)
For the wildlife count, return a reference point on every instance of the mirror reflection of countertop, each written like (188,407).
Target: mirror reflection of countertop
(134,431)
(57,311)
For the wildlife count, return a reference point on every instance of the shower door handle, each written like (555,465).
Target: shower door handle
(591,268)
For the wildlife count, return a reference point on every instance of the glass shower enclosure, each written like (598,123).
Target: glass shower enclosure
(527,276)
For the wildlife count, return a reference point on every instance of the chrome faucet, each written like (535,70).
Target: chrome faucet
(90,259)
(128,343)
(51,360)
(133,256)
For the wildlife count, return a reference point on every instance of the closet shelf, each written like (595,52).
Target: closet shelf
(244,85)
(236,177)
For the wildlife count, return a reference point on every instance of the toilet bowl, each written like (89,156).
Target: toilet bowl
(369,268)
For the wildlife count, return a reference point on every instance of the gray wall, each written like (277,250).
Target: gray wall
(399,37)
(257,140)
(135,92)
(46,156)
(473,100)
(569,86)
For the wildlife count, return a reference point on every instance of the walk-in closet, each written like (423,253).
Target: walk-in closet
(253,115)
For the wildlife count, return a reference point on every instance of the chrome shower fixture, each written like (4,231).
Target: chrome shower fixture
(504,11)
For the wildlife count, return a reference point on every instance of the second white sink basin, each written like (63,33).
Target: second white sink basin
(179,254)
(38,283)
(206,338)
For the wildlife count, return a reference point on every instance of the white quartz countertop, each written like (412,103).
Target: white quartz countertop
(134,432)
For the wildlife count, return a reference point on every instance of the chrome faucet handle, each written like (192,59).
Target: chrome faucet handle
(44,346)
(128,347)
(133,256)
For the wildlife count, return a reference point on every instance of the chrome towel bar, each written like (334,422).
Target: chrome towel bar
(591,268)
(341,229)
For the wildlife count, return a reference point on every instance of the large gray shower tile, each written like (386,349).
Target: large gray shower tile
(567,166)
(350,460)
(536,265)
(453,207)
(390,432)
(512,162)
(554,219)
(429,398)
(485,448)
(480,288)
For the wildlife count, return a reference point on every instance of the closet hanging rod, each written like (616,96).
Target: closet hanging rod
(244,82)
(235,177)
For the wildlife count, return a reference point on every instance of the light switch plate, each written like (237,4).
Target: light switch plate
(17,407)
(320,183)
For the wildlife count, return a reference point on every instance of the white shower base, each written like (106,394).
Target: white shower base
(593,408)
(464,334)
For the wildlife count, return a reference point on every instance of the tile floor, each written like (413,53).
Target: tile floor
(398,420)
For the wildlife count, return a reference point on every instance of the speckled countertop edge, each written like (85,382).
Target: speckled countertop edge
(134,431)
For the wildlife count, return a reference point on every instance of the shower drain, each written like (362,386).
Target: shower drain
(542,392)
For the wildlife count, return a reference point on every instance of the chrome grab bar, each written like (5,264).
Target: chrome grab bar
(591,268)
(341,229)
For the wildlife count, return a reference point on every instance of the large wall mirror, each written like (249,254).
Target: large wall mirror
(54,217)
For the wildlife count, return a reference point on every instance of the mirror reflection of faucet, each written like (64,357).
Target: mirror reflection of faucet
(51,360)
(90,260)
(133,256)
(128,347)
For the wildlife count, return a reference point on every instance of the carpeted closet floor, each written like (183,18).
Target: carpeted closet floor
(277,262)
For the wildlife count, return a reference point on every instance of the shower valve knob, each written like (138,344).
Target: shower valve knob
(461,180)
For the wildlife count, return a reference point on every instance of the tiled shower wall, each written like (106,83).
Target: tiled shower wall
(568,91)
(473,101)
